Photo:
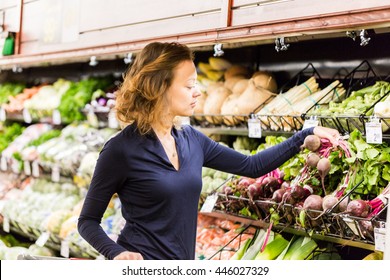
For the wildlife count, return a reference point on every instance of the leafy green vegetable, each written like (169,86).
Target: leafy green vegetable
(77,96)
(8,134)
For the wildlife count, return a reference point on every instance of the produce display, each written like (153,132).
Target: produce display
(320,190)
(231,92)
(334,191)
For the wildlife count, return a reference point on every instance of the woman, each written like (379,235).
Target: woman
(155,167)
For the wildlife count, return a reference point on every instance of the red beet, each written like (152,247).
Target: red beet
(329,201)
(312,143)
(313,202)
(358,208)
(312,159)
(323,167)
(277,195)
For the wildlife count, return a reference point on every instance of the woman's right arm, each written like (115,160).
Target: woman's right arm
(108,176)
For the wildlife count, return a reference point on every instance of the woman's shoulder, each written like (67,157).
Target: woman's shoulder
(190,130)
(118,139)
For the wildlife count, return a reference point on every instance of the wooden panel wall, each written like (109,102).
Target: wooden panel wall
(102,22)
(246,12)
(9,13)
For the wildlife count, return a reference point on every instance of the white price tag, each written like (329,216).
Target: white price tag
(112,120)
(42,239)
(209,203)
(3,164)
(380,239)
(35,168)
(56,117)
(27,167)
(3,114)
(6,225)
(27,116)
(92,118)
(254,127)
(312,122)
(64,248)
(15,166)
(374,132)
(55,173)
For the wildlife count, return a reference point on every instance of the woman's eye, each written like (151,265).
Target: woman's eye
(192,86)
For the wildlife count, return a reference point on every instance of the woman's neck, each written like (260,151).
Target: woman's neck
(162,130)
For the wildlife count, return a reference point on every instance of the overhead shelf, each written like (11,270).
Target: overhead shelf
(243,23)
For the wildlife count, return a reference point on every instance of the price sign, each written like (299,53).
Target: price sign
(3,164)
(380,239)
(209,203)
(56,117)
(15,166)
(312,122)
(42,239)
(3,114)
(374,131)
(27,167)
(35,168)
(27,116)
(254,127)
(92,118)
(55,173)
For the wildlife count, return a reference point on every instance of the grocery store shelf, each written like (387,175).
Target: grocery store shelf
(331,25)
(260,223)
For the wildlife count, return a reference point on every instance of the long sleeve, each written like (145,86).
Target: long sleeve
(108,176)
(226,159)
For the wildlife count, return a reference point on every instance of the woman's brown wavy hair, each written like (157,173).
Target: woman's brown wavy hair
(141,96)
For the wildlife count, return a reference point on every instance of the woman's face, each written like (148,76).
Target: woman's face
(183,92)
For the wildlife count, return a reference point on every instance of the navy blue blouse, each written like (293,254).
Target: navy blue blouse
(160,203)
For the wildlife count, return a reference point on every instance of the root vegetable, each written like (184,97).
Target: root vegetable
(313,202)
(277,195)
(312,143)
(329,201)
(312,159)
(299,193)
(323,167)
(358,208)
(245,181)
(343,205)
(227,190)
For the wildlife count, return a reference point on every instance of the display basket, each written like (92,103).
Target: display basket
(360,77)
(352,227)
(219,121)
(272,121)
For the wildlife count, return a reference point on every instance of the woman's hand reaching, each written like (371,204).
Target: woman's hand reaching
(126,255)
(329,133)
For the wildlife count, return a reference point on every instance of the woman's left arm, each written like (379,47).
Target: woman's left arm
(228,160)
